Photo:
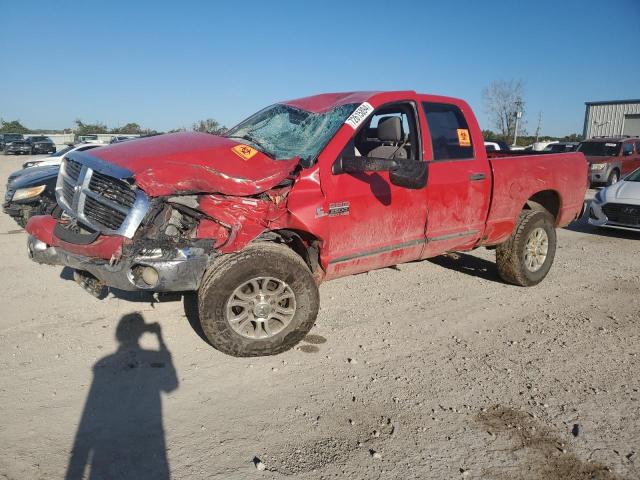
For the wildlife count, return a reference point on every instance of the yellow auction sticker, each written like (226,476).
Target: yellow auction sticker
(245,152)
(464,139)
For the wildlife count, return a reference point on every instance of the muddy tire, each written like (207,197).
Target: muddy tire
(526,257)
(260,301)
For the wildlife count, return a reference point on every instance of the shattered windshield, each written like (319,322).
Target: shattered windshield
(599,149)
(283,131)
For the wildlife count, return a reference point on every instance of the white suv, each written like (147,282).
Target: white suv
(56,158)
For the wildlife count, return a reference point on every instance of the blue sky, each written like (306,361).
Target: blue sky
(167,64)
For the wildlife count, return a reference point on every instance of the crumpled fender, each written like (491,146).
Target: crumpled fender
(245,218)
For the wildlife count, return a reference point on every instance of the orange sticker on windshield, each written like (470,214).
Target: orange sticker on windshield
(464,139)
(245,152)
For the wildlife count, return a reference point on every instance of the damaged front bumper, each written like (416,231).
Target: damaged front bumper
(172,270)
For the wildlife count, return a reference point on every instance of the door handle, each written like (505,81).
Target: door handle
(475,177)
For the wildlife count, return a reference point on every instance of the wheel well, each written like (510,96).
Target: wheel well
(303,243)
(548,200)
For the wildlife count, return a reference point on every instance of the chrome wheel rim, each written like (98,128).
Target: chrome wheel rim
(536,248)
(261,307)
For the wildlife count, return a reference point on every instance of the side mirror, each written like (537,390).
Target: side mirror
(402,172)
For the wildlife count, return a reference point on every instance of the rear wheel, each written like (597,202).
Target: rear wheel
(260,301)
(526,258)
(613,178)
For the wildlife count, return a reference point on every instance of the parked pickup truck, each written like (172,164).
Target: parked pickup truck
(301,192)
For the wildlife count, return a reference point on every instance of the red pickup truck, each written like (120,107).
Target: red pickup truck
(303,191)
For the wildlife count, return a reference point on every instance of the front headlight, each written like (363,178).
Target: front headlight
(26,193)
(598,166)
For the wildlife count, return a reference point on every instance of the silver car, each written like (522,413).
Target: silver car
(618,206)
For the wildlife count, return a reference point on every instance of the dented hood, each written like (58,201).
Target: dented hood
(192,162)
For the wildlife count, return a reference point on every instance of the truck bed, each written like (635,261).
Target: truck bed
(516,178)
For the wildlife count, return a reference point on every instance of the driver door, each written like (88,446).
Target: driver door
(372,222)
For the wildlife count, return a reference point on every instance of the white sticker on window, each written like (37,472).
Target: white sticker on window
(610,144)
(359,115)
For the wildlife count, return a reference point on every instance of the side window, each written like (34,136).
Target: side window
(627,148)
(638,148)
(450,136)
(390,133)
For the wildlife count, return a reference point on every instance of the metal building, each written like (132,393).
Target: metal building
(612,118)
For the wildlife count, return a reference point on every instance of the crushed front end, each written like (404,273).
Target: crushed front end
(113,235)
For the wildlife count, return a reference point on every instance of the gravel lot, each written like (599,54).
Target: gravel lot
(433,369)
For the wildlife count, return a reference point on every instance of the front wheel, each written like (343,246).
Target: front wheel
(260,301)
(526,257)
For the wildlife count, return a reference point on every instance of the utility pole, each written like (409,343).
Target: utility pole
(518,117)
(539,125)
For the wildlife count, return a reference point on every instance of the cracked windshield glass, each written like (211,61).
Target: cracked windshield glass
(283,131)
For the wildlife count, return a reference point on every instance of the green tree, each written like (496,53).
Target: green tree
(88,128)
(131,128)
(209,126)
(489,134)
(574,137)
(13,126)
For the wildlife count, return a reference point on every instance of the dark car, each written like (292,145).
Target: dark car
(17,147)
(8,138)
(41,145)
(610,158)
(31,192)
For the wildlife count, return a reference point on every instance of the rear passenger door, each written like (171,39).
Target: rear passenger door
(459,186)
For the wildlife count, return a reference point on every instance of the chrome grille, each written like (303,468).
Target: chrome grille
(103,202)
(72,169)
(67,191)
(102,214)
(115,190)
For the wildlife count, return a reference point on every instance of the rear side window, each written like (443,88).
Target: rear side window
(627,148)
(638,147)
(450,135)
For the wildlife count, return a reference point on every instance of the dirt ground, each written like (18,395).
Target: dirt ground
(428,370)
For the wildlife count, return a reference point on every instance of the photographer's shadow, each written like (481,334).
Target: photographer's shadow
(121,434)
